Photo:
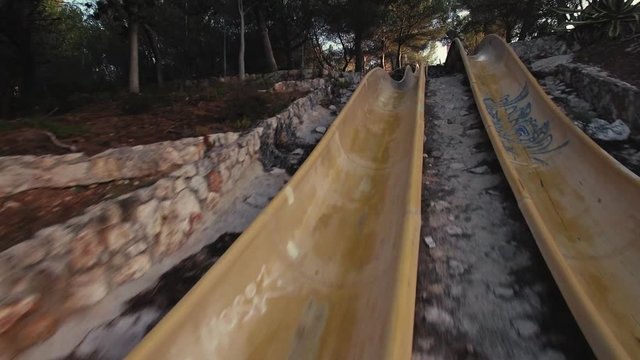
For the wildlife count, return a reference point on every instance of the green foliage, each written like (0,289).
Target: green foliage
(54,49)
(60,130)
(242,123)
(341,83)
(521,19)
(604,19)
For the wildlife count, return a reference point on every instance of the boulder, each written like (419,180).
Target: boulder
(88,288)
(602,130)
(549,66)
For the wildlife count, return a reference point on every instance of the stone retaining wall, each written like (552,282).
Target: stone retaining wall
(548,46)
(610,97)
(299,85)
(281,75)
(20,173)
(78,262)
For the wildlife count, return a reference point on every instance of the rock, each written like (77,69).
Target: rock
(277,171)
(437,219)
(199,186)
(212,200)
(232,151)
(148,216)
(58,237)
(163,189)
(454,230)
(117,261)
(455,267)
(256,200)
(602,130)
(440,205)
(86,249)
(178,223)
(11,313)
(503,292)
(215,181)
(118,235)
(172,235)
(185,171)
(297,152)
(436,154)
(480,170)
(333,108)
(525,328)
(578,105)
(164,208)
(136,248)
(179,184)
(30,252)
(472,132)
(438,317)
(111,214)
(186,204)
(242,154)
(550,354)
(538,48)
(231,137)
(456,291)
(430,242)
(435,289)
(39,328)
(456,166)
(204,167)
(134,269)
(321,129)
(256,145)
(88,288)
(549,66)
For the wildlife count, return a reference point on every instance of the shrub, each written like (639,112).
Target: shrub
(603,19)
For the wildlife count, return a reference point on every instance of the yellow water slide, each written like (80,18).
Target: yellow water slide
(328,269)
(582,206)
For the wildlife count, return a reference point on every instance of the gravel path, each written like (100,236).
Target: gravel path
(484,291)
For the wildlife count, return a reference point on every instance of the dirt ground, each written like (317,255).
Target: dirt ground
(619,58)
(484,291)
(127,120)
(25,213)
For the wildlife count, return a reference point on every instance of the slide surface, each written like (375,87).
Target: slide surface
(582,206)
(328,269)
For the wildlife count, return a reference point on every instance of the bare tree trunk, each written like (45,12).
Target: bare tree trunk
(345,54)
(153,41)
(224,53)
(399,56)
(134,73)
(347,61)
(317,49)
(561,18)
(358,52)
(302,59)
(528,22)
(272,66)
(241,73)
